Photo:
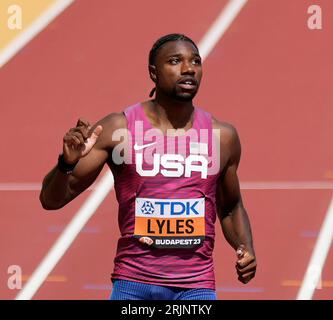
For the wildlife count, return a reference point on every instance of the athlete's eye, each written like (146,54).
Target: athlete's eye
(197,61)
(174,60)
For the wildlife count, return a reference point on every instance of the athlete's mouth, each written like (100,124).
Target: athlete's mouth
(187,83)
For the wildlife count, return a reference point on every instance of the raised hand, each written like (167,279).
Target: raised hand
(78,141)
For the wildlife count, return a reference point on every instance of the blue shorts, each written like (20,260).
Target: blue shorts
(131,290)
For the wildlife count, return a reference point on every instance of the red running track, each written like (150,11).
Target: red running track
(269,75)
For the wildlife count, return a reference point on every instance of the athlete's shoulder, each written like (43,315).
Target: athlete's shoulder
(110,123)
(227,130)
(114,120)
(229,139)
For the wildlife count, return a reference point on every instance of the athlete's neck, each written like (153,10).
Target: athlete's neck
(175,114)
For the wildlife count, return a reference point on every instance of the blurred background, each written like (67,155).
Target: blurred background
(269,74)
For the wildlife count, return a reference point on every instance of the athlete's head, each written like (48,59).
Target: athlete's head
(175,67)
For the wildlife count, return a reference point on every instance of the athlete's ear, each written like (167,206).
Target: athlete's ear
(152,73)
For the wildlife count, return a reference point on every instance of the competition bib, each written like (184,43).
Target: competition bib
(170,223)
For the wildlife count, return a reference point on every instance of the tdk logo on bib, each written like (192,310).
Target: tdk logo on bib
(178,208)
(170,223)
(168,208)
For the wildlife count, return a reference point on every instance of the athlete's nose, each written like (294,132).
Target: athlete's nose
(187,68)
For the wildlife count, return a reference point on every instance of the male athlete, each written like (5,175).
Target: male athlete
(175,169)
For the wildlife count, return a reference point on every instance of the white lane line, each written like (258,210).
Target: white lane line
(287,185)
(96,197)
(312,276)
(220,26)
(20,186)
(25,186)
(247,185)
(30,32)
(67,237)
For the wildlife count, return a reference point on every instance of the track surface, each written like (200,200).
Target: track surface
(269,75)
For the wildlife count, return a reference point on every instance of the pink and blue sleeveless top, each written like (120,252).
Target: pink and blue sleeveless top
(166,193)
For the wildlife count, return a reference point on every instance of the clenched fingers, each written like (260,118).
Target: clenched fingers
(246,271)
(246,259)
(82,123)
(74,138)
(246,267)
(83,127)
(245,279)
(77,136)
(72,141)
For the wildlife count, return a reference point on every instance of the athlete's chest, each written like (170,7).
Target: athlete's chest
(175,155)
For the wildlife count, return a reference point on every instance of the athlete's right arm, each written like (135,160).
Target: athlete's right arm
(90,147)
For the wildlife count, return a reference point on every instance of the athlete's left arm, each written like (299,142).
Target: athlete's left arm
(231,212)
